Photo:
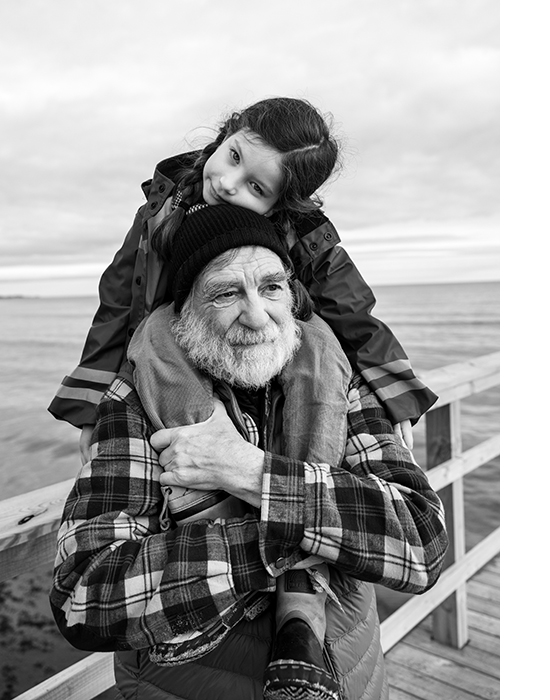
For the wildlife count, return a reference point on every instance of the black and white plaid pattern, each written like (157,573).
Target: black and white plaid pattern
(121,582)
(177,199)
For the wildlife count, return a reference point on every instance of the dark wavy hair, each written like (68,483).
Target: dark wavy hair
(298,131)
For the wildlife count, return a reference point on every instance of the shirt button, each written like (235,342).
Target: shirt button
(328,236)
(162,187)
(313,246)
(280,563)
(154,205)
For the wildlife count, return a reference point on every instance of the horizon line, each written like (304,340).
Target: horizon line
(428,283)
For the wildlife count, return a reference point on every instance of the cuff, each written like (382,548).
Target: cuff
(282,513)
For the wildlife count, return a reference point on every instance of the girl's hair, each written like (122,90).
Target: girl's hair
(293,127)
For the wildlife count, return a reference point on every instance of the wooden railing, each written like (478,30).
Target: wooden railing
(29,524)
(447,466)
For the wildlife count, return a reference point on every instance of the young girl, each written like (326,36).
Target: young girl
(270,158)
(283,132)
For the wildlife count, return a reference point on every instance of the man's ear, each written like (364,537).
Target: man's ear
(303,308)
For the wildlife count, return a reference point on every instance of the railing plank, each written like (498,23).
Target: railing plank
(462,379)
(411,613)
(461,465)
(81,681)
(29,555)
(28,528)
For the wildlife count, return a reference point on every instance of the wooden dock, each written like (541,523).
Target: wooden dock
(420,668)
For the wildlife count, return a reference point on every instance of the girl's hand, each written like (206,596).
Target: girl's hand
(210,455)
(84,443)
(405,432)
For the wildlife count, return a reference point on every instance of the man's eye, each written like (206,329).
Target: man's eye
(224,299)
(273,290)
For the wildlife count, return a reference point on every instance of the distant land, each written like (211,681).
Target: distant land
(18,296)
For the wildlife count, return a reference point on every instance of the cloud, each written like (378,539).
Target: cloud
(426,251)
(95,93)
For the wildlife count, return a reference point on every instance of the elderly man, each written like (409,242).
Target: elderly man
(187,602)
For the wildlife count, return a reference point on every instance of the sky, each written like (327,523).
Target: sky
(94,93)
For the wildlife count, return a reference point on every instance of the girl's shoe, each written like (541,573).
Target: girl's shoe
(297,669)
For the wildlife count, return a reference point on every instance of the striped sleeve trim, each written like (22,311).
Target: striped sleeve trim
(85,384)
(396,388)
(389,368)
(79,394)
(88,374)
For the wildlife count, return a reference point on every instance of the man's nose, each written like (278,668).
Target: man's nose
(253,314)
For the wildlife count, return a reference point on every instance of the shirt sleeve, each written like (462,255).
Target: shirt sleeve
(375,518)
(122,582)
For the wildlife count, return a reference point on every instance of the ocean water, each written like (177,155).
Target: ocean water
(41,341)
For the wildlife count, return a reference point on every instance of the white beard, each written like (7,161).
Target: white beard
(242,357)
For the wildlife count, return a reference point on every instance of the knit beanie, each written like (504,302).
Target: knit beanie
(211,230)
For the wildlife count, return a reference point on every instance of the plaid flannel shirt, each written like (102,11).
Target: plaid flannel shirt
(122,582)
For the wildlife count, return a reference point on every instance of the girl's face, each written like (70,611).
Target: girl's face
(243,171)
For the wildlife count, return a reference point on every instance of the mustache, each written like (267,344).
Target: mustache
(247,336)
(241,356)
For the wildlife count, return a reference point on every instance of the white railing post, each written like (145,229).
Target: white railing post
(444,442)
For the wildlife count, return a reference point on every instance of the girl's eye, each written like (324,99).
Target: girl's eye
(257,188)
(234,155)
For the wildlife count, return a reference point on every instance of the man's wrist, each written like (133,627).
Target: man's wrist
(246,481)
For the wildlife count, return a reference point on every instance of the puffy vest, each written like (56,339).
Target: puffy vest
(234,670)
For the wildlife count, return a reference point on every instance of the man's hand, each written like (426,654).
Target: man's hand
(405,432)
(84,443)
(211,455)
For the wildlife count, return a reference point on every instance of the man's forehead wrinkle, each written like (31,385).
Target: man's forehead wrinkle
(246,274)
(217,284)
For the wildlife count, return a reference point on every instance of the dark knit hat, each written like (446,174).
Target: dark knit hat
(210,231)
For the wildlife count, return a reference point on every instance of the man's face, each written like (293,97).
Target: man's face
(250,292)
(238,325)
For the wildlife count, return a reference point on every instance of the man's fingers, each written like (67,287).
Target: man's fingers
(168,479)
(84,443)
(161,439)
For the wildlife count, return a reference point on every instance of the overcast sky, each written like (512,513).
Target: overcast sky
(93,93)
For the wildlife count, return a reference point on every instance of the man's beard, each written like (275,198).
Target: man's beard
(242,357)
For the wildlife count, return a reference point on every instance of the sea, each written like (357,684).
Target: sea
(41,341)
